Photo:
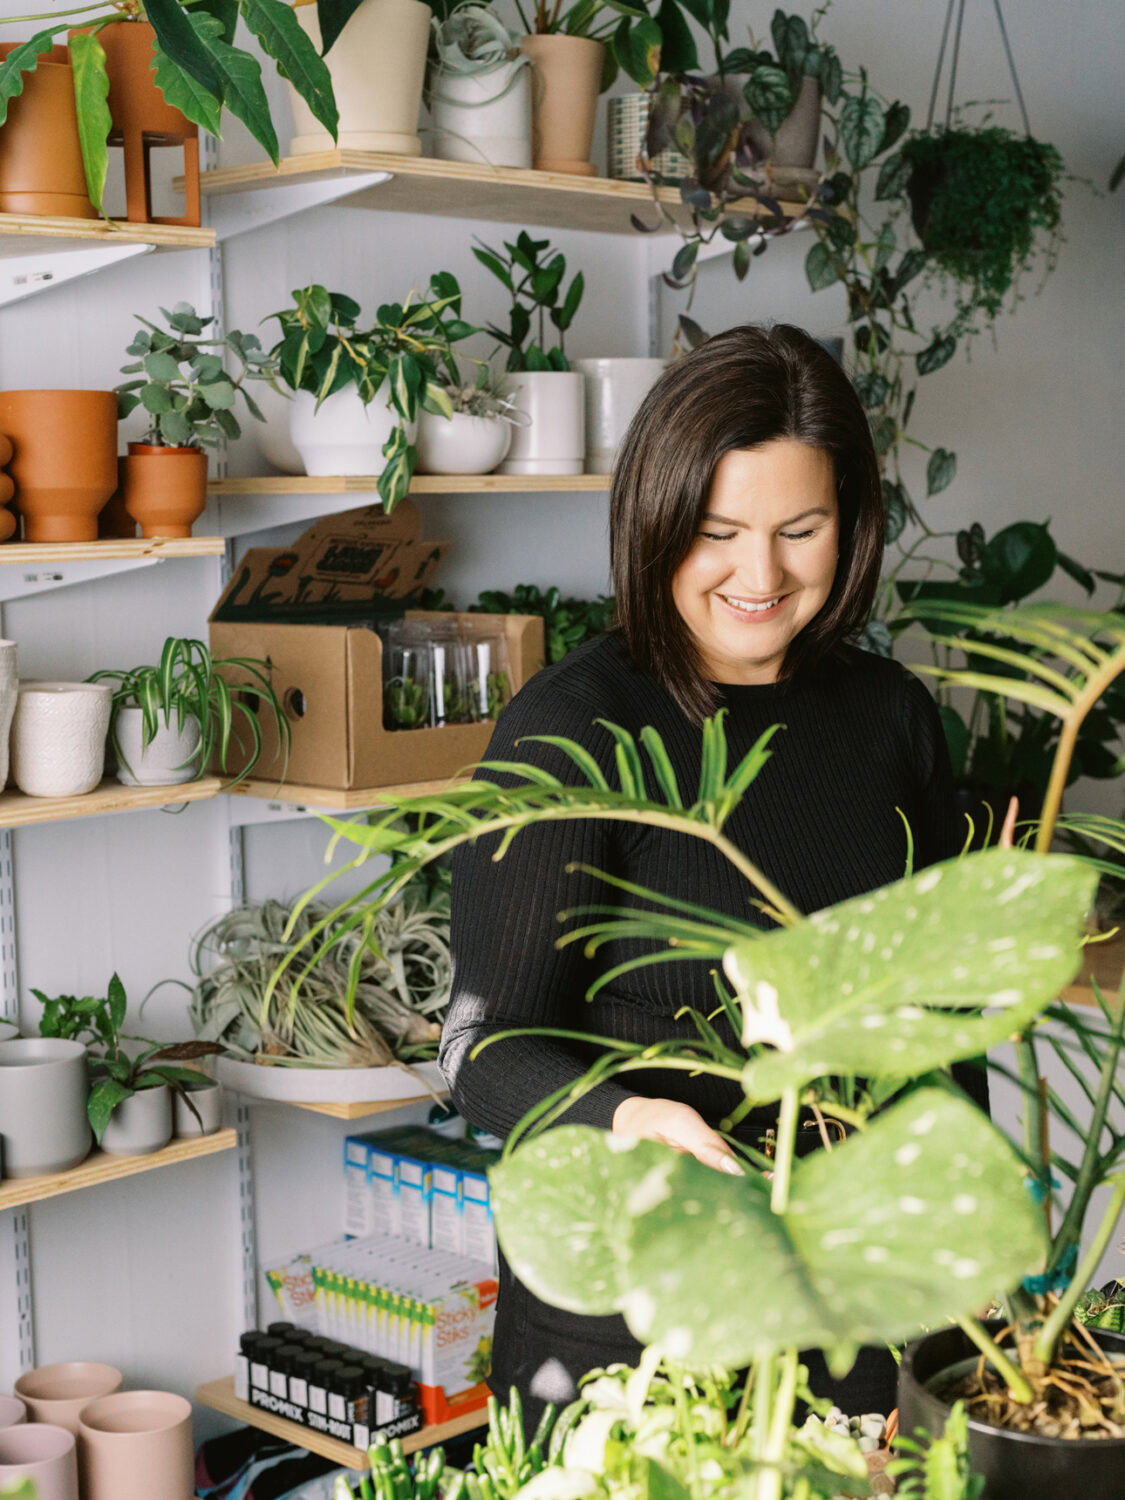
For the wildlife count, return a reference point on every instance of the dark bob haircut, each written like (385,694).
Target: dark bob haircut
(741,389)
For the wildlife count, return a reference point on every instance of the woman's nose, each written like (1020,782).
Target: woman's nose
(760,572)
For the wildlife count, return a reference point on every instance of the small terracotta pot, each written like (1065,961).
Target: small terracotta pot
(165,488)
(65,463)
(142,120)
(8,522)
(566,72)
(43,1454)
(113,519)
(57,1393)
(13,1413)
(41,169)
(137,1445)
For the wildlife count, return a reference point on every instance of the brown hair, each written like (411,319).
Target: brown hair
(741,389)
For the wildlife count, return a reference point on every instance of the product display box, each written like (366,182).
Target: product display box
(310,610)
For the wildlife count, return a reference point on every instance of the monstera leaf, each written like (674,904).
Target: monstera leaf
(897,982)
(922,1217)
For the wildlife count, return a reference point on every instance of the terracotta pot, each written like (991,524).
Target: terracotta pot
(137,1445)
(65,463)
(43,1454)
(57,1393)
(165,488)
(41,168)
(113,519)
(566,72)
(142,120)
(7,490)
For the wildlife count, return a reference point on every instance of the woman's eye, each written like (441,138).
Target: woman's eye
(717,536)
(796,536)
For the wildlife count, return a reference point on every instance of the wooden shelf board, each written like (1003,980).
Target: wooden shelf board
(1106,962)
(100,1168)
(355,799)
(421,484)
(129,547)
(511,195)
(360,1111)
(18,810)
(219,1395)
(18,233)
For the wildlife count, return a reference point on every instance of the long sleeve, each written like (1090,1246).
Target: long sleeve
(938,834)
(507,971)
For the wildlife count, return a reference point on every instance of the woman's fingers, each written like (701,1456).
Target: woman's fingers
(678,1126)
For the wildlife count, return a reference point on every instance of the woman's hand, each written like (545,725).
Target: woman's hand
(678,1126)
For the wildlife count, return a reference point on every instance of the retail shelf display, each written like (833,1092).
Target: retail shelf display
(100,1167)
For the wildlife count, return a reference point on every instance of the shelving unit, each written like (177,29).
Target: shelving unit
(28,568)
(39,253)
(361,1111)
(332,799)
(18,810)
(101,1167)
(219,1394)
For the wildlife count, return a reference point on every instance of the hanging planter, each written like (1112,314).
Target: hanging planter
(41,170)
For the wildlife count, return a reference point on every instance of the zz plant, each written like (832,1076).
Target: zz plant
(533,274)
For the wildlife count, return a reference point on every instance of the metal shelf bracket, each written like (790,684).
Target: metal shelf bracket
(239,213)
(22,583)
(23,276)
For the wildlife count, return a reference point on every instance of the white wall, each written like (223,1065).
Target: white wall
(144,1272)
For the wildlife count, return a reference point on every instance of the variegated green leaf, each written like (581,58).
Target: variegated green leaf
(91,95)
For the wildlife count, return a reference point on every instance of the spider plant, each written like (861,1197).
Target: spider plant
(189,685)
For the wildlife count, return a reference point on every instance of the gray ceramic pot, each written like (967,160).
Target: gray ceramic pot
(140,1124)
(208,1101)
(43,1089)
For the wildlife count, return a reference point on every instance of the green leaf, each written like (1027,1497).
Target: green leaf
(1019,559)
(91,93)
(219,396)
(178,38)
(894,178)
(21,60)
(684,260)
(820,267)
(909,970)
(871,387)
(939,353)
(240,80)
(1078,571)
(155,398)
(333,16)
(940,469)
(161,366)
(105,1096)
(897,119)
(597,1223)
(636,48)
(896,509)
(115,997)
(187,94)
(678,52)
(283,38)
(175,429)
(769,95)
(790,40)
(831,75)
(862,123)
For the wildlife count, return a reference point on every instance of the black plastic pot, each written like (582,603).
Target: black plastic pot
(1015,1465)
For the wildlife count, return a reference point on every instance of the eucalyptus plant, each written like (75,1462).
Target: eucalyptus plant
(196,65)
(533,273)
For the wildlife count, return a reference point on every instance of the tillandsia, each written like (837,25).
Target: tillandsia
(934,969)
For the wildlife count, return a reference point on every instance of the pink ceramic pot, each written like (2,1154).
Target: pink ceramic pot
(43,1454)
(137,1445)
(57,1393)
(12,1411)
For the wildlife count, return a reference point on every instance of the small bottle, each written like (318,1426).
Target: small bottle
(347,1403)
(322,1375)
(333,1349)
(261,1367)
(280,1367)
(283,1331)
(398,1383)
(247,1345)
(301,1368)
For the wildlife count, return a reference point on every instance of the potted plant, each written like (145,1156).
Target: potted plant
(41,166)
(170,721)
(566,622)
(478,87)
(64,464)
(337,369)
(478,434)
(195,65)
(189,400)
(540,378)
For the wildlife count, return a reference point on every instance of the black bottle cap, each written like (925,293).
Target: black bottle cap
(349,1380)
(325,1369)
(249,1342)
(399,1381)
(372,1365)
(281,1330)
(334,1349)
(283,1358)
(306,1362)
(268,1347)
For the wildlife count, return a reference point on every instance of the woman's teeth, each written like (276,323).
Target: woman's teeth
(751,609)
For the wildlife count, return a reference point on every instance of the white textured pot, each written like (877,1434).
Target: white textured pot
(483,117)
(461,444)
(9,689)
(554,442)
(169,759)
(344,436)
(272,435)
(58,737)
(614,390)
(140,1124)
(208,1101)
(378,66)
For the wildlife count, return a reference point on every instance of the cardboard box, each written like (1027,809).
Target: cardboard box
(353,568)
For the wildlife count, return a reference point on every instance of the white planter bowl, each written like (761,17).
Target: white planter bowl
(58,737)
(483,117)
(461,444)
(140,1124)
(344,436)
(169,759)
(555,440)
(614,390)
(272,436)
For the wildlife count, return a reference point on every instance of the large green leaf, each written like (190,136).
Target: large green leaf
(177,37)
(895,983)
(284,39)
(769,95)
(922,1217)
(333,16)
(185,93)
(91,93)
(21,60)
(862,123)
(636,47)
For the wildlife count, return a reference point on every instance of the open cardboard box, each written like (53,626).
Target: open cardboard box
(350,568)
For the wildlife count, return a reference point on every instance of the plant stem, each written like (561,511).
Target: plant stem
(79,10)
(763,1400)
(1018,1387)
(1052,1331)
(786,1143)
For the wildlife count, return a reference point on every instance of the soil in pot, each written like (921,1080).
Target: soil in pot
(165,488)
(566,75)
(41,169)
(65,459)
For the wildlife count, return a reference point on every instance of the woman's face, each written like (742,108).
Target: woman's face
(764,559)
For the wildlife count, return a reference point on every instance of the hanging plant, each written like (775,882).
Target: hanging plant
(980,201)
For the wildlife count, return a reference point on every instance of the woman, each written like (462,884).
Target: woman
(746,527)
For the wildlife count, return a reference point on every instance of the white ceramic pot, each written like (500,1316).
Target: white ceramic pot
(137,1445)
(170,758)
(344,436)
(378,65)
(140,1124)
(461,444)
(9,689)
(8,1031)
(554,442)
(483,117)
(614,390)
(208,1101)
(58,1393)
(43,1454)
(272,435)
(13,1413)
(58,737)
(43,1092)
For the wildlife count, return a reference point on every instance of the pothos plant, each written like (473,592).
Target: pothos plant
(404,352)
(908,980)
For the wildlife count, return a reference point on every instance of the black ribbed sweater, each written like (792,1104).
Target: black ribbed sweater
(862,738)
